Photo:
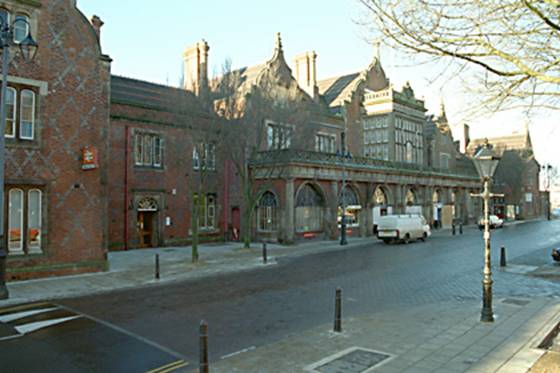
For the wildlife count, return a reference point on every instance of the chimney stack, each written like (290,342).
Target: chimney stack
(195,60)
(97,23)
(306,72)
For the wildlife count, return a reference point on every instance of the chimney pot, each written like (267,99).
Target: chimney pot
(97,23)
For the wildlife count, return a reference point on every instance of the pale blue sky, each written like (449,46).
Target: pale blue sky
(146,40)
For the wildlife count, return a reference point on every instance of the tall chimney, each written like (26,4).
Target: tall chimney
(195,65)
(306,72)
(97,23)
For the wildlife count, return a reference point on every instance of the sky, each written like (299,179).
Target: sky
(146,40)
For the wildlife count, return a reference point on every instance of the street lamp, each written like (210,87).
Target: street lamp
(28,49)
(343,157)
(486,162)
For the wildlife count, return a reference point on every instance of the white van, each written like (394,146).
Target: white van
(405,228)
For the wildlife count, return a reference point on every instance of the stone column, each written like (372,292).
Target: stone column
(289,209)
(331,213)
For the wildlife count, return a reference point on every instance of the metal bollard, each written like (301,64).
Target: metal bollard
(338,311)
(503,257)
(157,266)
(453,229)
(264,256)
(203,365)
(460,228)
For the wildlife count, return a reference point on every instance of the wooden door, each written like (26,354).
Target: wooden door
(145,228)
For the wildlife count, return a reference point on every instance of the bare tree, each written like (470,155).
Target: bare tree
(264,120)
(195,115)
(514,43)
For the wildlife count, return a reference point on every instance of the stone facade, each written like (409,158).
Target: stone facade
(56,166)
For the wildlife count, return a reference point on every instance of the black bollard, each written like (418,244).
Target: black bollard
(503,257)
(461,228)
(453,229)
(265,259)
(338,311)
(203,366)
(157,266)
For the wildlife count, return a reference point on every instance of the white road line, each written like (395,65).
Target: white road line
(238,352)
(31,327)
(20,315)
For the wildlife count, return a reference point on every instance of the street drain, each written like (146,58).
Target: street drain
(352,360)
(516,302)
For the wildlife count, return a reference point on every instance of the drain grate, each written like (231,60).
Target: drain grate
(352,360)
(516,302)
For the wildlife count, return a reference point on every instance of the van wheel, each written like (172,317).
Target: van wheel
(424,236)
(387,241)
(406,238)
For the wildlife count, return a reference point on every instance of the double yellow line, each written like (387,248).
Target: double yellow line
(169,367)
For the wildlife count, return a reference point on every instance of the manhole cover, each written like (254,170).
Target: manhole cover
(516,302)
(352,360)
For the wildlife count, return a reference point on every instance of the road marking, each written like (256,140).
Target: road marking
(169,367)
(20,315)
(238,352)
(126,332)
(31,327)
(11,337)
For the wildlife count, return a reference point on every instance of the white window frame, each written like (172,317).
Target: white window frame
(144,146)
(14,116)
(40,217)
(26,32)
(16,250)
(21,136)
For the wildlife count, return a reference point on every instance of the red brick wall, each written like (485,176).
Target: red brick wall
(73,113)
(177,174)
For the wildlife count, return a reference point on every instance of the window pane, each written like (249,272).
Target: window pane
(27,115)
(147,150)
(34,220)
(15,221)
(138,153)
(196,160)
(21,28)
(157,151)
(10,112)
(4,16)
(211,211)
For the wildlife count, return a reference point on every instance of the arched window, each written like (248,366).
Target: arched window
(435,196)
(21,27)
(34,220)
(11,107)
(15,221)
(147,204)
(379,197)
(267,212)
(352,207)
(27,115)
(309,210)
(410,197)
(409,152)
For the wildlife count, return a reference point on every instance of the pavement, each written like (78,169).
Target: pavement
(437,337)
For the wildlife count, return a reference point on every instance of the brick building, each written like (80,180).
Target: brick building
(56,144)
(517,176)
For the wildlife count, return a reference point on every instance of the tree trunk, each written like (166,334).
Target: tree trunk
(194,228)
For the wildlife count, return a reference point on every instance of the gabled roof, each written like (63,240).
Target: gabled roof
(147,94)
(334,90)
(520,141)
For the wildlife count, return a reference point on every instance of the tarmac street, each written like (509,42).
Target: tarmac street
(412,307)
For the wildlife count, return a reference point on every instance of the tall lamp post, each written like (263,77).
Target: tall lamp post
(343,156)
(486,162)
(28,48)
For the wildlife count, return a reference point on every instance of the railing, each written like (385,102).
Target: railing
(277,157)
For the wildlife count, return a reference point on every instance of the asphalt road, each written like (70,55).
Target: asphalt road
(150,327)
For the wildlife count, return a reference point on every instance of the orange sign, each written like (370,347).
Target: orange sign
(89,158)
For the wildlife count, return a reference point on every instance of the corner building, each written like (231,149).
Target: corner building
(56,144)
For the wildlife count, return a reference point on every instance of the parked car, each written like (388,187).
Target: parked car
(402,228)
(493,222)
